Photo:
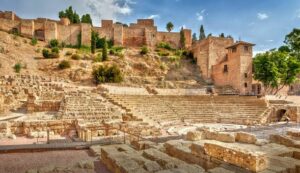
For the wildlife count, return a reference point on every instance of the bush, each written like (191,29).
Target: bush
(163,53)
(64,64)
(46,53)
(55,50)
(53,43)
(104,74)
(164,45)
(68,53)
(53,54)
(76,57)
(33,41)
(144,50)
(18,67)
(98,58)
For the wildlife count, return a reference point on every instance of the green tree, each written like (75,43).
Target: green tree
(86,19)
(169,26)
(70,14)
(194,37)
(94,38)
(104,51)
(202,33)
(276,69)
(182,38)
(292,40)
(222,35)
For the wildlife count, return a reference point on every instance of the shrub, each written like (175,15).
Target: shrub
(164,45)
(68,53)
(53,54)
(174,58)
(98,58)
(53,43)
(144,50)
(64,64)
(33,41)
(76,57)
(18,67)
(38,50)
(163,66)
(163,53)
(55,50)
(46,53)
(104,74)
(62,45)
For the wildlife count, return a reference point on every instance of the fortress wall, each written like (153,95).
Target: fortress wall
(27,28)
(8,25)
(108,33)
(150,36)
(38,25)
(133,36)
(188,38)
(9,15)
(200,52)
(118,35)
(173,38)
(68,34)
(145,22)
(246,67)
(50,31)
(86,30)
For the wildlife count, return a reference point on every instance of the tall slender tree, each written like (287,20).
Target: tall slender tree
(182,38)
(86,18)
(202,33)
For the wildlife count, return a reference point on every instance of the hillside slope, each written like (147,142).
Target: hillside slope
(138,70)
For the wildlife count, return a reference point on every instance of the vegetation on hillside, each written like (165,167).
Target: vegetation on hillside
(107,74)
(169,26)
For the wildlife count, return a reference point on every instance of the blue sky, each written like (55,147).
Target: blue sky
(263,22)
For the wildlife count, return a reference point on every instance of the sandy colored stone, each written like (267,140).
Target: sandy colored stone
(195,135)
(247,138)
(253,161)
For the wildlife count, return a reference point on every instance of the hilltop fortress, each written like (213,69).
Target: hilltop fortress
(221,60)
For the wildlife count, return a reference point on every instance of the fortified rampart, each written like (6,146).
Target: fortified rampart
(144,32)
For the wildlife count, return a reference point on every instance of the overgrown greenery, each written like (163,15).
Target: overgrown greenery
(107,74)
(70,14)
(86,18)
(144,50)
(164,45)
(64,64)
(53,43)
(18,67)
(169,26)
(54,53)
(76,57)
(280,67)
(33,41)
(276,69)
(94,37)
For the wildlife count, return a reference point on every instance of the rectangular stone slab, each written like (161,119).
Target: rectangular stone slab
(249,160)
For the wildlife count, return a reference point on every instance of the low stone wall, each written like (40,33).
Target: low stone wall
(252,161)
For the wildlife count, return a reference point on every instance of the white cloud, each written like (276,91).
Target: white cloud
(153,16)
(108,9)
(270,40)
(200,16)
(262,16)
(258,52)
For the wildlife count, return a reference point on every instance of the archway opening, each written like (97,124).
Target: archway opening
(279,114)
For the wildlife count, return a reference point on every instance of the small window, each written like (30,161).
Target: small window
(225,70)
(246,48)
(233,49)
(246,75)
(245,85)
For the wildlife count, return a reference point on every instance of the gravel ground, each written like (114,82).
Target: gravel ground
(20,162)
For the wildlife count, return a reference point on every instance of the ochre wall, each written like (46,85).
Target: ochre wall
(172,38)
(27,28)
(133,36)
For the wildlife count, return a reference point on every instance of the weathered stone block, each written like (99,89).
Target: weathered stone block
(195,136)
(253,161)
(247,138)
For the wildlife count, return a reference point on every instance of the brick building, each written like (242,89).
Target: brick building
(225,62)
